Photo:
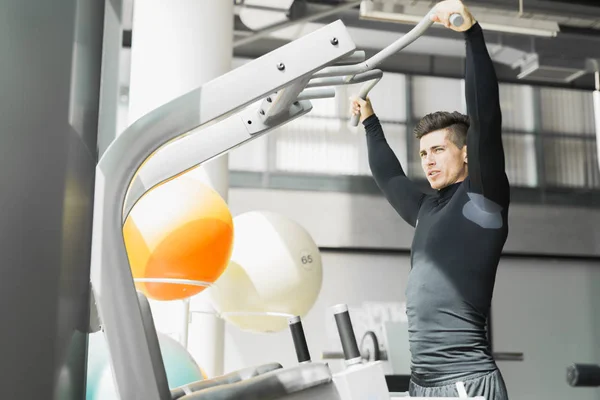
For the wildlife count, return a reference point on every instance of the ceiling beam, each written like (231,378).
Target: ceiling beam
(425,65)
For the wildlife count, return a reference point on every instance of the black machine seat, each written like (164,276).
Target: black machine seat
(232,377)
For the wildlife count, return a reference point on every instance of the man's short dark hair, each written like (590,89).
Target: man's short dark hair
(457,124)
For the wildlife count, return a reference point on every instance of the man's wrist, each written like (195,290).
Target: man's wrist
(474,29)
(369,120)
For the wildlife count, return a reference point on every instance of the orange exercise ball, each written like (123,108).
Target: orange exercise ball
(181,229)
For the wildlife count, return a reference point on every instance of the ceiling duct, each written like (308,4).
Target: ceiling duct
(259,14)
(514,52)
(536,68)
(521,14)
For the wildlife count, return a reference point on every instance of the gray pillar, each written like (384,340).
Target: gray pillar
(49,81)
(596,97)
(111,74)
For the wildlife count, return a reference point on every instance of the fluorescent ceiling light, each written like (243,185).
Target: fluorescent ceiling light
(497,23)
(520,29)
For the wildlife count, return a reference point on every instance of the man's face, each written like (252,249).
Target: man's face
(444,163)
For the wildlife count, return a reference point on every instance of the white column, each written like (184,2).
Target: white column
(178,45)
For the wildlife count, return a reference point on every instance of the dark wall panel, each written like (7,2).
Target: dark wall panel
(50,58)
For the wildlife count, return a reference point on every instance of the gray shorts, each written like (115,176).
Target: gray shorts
(489,385)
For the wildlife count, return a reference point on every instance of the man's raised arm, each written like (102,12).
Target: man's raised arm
(400,191)
(485,151)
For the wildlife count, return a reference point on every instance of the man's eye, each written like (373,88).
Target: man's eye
(439,150)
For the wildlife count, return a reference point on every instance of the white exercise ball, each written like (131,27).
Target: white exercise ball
(275,272)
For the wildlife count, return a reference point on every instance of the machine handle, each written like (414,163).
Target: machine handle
(364,91)
(583,375)
(455,19)
(346,332)
(299,339)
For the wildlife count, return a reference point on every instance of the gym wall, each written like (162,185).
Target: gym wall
(367,221)
(546,308)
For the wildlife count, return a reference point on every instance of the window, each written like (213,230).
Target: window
(567,111)
(546,131)
(316,145)
(518,125)
(252,156)
(437,94)
(569,146)
(389,98)
(520,159)
(570,162)
(517,105)
(329,146)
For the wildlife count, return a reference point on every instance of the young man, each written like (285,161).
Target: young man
(459,231)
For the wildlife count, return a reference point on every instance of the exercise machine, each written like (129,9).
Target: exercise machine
(358,380)
(583,375)
(226,112)
(363,376)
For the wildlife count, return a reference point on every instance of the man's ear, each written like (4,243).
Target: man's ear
(465,157)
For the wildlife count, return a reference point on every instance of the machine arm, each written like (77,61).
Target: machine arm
(137,370)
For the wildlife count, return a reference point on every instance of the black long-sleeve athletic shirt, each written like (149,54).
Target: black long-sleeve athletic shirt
(459,231)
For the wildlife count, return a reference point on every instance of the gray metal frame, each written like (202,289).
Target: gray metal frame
(596,96)
(190,130)
(137,375)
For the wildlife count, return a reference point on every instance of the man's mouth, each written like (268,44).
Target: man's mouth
(431,174)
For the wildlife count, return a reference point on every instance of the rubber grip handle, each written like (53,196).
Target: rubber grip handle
(364,92)
(457,20)
(344,326)
(583,375)
(299,339)
(354,119)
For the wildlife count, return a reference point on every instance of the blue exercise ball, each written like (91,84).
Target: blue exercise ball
(180,367)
